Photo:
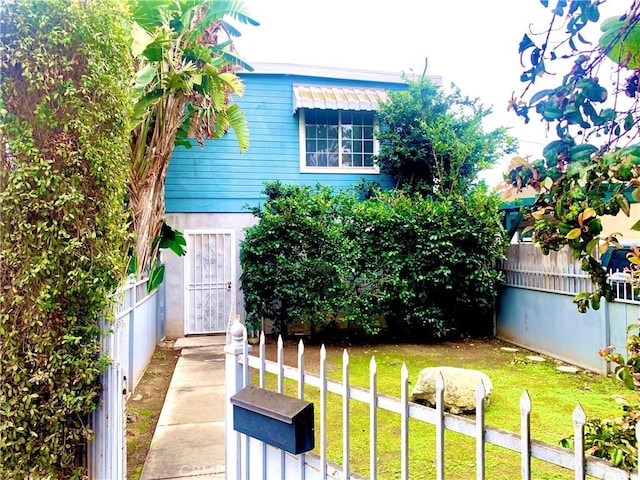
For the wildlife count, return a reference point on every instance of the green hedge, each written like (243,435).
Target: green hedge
(65,105)
(293,261)
(419,268)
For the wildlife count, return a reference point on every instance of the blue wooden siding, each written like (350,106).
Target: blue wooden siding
(220,179)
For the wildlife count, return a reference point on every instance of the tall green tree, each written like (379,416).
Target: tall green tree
(433,142)
(592,168)
(65,108)
(186,78)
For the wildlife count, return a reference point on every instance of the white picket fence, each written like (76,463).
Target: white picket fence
(248,458)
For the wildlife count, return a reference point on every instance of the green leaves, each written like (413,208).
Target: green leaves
(582,152)
(614,439)
(620,40)
(592,168)
(144,77)
(156,276)
(574,234)
(185,82)
(553,150)
(140,39)
(592,90)
(433,142)
(63,234)
(572,106)
(525,44)
(172,239)
(422,265)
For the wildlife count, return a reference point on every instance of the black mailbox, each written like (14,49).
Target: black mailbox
(281,421)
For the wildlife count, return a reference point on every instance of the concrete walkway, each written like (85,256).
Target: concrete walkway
(189,438)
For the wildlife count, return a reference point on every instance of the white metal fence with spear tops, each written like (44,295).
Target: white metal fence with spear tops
(248,458)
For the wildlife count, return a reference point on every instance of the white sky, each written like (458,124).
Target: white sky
(471,43)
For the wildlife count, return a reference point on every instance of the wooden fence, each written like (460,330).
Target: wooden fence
(248,458)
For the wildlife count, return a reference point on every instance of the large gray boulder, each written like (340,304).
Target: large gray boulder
(459,388)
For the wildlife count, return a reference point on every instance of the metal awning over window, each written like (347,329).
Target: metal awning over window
(337,98)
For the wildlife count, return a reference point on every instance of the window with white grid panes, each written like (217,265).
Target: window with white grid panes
(338,141)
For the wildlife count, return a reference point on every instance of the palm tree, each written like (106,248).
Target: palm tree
(185,79)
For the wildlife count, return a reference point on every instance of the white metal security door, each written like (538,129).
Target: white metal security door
(209,280)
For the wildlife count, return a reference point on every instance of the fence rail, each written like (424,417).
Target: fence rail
(571,281)
(250,459)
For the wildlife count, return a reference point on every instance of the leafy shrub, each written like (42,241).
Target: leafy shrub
(427,264)
(627,367)
(421,268)
(433,142)
(65,107)
(613,439)
(292,261)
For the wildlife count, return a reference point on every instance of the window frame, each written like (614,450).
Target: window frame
(304,168)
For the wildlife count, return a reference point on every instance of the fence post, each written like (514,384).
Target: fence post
(161,318)
(233,372)
(439,426)
(606,327)
(525,436)
(480,457)
(132,300)
(579,419)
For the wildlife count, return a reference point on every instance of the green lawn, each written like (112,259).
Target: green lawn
(554,395)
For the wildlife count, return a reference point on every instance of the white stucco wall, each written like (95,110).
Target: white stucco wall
(175,266)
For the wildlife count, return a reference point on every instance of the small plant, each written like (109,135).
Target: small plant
(613,439)
(627,369)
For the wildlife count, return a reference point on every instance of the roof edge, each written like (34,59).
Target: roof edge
(334,72)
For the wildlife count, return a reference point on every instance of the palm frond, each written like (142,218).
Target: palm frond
(233,82)
(230,29)
(234,59)
(148,13)
(233,8)
(238,122)
(185,80)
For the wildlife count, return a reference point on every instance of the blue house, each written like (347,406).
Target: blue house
(308,125)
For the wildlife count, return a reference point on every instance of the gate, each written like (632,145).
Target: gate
(209,280)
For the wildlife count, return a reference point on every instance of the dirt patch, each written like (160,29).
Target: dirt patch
(290,353)
(145,404)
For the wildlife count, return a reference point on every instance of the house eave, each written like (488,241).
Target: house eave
(333,72)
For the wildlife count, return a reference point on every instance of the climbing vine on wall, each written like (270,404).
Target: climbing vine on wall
(65,110)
